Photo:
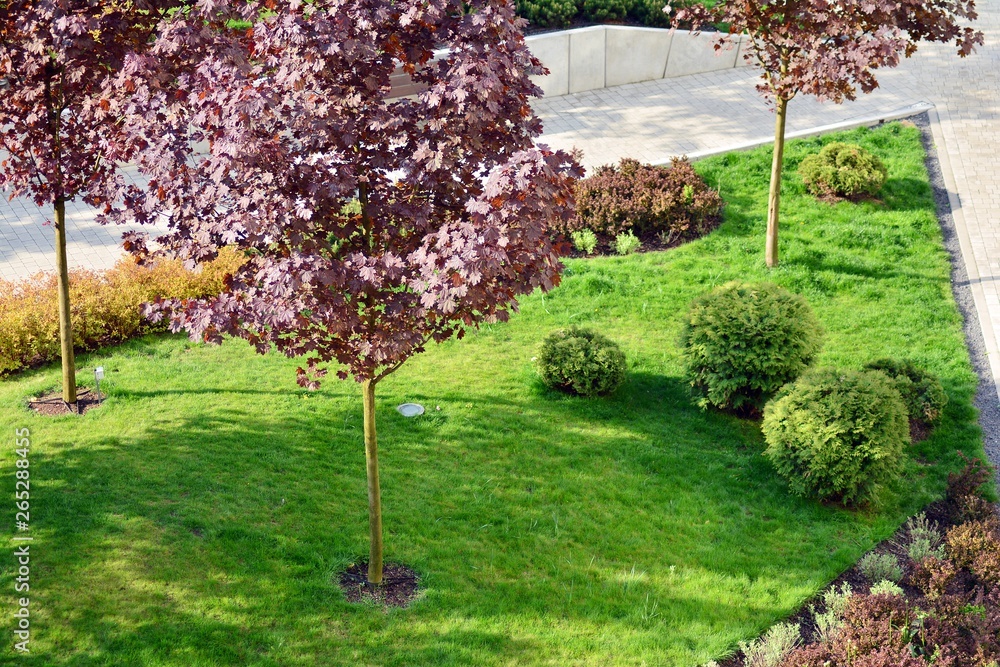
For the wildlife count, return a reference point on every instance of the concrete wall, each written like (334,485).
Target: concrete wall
(609,55)
(602,56)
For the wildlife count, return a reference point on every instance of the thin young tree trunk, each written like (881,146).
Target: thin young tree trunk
(374,493)
(774,197)
(65,322)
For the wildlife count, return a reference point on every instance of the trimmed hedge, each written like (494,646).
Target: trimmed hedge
(742,342)
(105,306)
(837,435)
(561,13)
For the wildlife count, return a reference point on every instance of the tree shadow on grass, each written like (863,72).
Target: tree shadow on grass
(213,536)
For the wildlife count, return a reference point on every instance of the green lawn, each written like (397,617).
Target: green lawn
(200,516)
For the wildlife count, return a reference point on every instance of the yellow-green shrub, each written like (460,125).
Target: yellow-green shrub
(105,306)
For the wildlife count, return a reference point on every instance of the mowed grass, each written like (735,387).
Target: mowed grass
(200,517)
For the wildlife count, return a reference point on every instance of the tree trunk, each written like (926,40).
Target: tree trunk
(65,322)
(374,493)
(774,197)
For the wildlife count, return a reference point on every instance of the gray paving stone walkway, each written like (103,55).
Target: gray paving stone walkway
(27,239)
(701,113)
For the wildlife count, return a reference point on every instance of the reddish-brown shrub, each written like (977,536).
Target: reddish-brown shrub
(933,576)
(896,656)
(105,306)
(962,630)
(812,655)
(974,508)
(964,543)
(975,546)
(873,623)
(956,624)
(963,484)
(674,203)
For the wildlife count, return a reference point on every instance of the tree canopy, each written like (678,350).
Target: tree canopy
(370,225)
(60,122)
(828,49)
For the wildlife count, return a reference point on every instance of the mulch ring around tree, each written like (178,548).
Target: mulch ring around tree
(400,585)
(52,405)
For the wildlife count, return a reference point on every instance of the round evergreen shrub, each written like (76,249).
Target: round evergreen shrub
(921,391)
(742,342)
(837,435)
(581,361)
(843,170)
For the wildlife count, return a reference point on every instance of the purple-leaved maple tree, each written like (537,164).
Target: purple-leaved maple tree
(828,49)
(58,113)
(371,226)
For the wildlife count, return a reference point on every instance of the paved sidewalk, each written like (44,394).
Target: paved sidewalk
(27,239)
(655,120)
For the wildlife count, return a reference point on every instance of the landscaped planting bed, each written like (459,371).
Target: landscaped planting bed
(204,513)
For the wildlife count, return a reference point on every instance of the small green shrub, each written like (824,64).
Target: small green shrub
(627,243)
(831,619)
(923,539)
(585,241)
(843,170)
(650,12)
(560,13)
(886,587)
(837,435)
(771,649)
(742,342)
(921,391)
(580,361)
(880,567)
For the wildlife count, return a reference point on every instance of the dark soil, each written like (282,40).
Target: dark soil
(399,588)
(919,431)
(834,198)
(52,405)
(651,242)
(937,512)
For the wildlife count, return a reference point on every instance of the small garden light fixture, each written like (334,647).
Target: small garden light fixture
(410,409)
(98,376)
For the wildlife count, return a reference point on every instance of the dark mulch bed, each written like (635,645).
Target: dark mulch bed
(52,405)
(400,585)
(833,198)
(651,242)
(937,512)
